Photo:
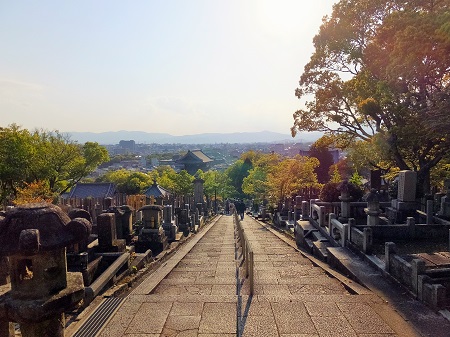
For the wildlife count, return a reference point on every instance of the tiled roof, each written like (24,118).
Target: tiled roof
(157,191)
(93,190)
(195,156)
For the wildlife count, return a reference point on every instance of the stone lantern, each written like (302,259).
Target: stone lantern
(151,235)
(373,208)
(35,237)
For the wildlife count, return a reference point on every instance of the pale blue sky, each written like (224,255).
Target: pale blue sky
(173,66)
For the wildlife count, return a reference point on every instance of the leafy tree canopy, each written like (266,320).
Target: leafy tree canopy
(382,68)
(237,172)
(46,158)
(290,176)
(183,183)
(128,182)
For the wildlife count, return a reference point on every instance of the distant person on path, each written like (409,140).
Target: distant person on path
(240,207)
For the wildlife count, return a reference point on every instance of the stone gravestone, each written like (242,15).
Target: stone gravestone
(107,234)
(124,222)
(170,228)
(405,205)
(375,179)
(407,181)
(198,191)
(184,222)
(445,201)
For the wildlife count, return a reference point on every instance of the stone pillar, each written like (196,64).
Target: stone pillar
(331,217)
(430,211)
(321,216)
(368,239)
(305,210)
(389,248)
(351,224)
(345,200)
(411,223)
(418,268)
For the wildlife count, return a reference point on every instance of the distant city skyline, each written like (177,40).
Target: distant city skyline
(177,67)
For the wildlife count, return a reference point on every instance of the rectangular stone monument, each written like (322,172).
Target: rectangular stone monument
(407,186)
(375,179)
(445,201)
(107,235)
(169,227)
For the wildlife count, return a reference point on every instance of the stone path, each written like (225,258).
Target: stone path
(294,298)
(203,293)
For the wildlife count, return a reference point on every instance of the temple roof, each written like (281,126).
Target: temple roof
(157,191)
(93,190)
(194,157)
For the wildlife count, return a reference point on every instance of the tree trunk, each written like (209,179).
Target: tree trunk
(423,182)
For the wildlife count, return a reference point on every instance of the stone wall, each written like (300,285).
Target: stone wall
(401,270)
(402,232)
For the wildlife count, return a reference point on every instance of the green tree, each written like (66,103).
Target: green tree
(211,183)
(335,176)
(226,189)
(166,177)
(62,162)
(290,176)
(382,68)
(128,182)
(255,184)
(45,158)
(16,154)
(236,173)
(183,184)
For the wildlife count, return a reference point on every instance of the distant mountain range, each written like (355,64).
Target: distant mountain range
(140,137)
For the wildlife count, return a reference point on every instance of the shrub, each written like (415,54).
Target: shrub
(331,191)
